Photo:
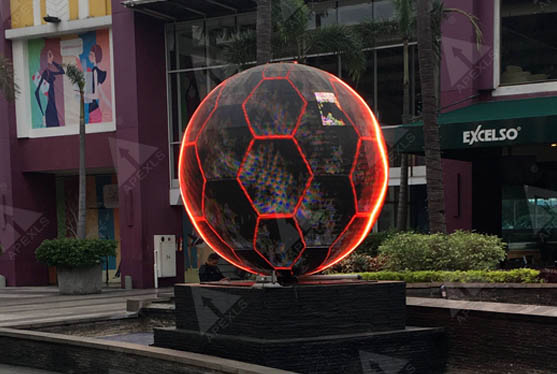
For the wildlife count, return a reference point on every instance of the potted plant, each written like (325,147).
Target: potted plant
(77,261)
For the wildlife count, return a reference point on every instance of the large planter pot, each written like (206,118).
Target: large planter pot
(80,281)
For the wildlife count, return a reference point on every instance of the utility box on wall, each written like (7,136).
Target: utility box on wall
(165,255)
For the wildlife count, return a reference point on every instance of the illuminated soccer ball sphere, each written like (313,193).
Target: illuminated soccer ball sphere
(283,167)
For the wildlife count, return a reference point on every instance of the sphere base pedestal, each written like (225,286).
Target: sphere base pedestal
(333,326)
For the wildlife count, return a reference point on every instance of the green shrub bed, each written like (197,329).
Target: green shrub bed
(460,250)
(470,276)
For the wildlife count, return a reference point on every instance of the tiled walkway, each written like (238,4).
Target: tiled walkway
(29,306)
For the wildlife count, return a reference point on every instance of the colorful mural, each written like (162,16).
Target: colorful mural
(54,100)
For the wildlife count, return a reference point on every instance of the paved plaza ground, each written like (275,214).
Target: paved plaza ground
(31,306)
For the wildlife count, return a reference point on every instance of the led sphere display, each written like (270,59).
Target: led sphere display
(283,167)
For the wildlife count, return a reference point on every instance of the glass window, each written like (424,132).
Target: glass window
(389,85)
(383,10)
(366,85)
(247,22)
(328,63)
(528,41)
(190,39)
(352,12)
(323,14)
(219,33)
(197,50)
(171,46)
(528,212)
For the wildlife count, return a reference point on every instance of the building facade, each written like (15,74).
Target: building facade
(148,64)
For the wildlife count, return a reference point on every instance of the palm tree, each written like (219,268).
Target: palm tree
(405,16)
(290,38)
(8,87)
(77,78)
(432,149)
(429,18)
(264,31)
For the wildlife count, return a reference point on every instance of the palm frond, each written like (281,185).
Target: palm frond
(240,49)
(7,85)
(290,22)
(405,15)
(75,75)
(338,39)
(373,32)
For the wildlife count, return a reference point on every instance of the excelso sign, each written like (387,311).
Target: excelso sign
(480,135)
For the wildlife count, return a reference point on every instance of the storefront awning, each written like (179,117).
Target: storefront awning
(490,124)
(183,10)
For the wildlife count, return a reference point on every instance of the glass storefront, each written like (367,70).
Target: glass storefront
(528,41)
(197,62)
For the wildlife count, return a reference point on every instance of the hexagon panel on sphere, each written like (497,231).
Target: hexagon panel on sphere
(202,114)
(215,241)
(274,107)
(283,168)
(312,258)
(356,109)
(191,171)
(278,70)
(326,209)
(274,175)
(330,150)
(348,240)
(229,212)
(223,142)
(368,175)
(279,241)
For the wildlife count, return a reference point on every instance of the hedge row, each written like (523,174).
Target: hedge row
(479,276)
(75,253)
(461,250)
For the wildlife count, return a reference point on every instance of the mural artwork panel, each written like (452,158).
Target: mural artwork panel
(54,100)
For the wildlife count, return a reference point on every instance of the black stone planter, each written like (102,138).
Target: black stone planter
(339,327)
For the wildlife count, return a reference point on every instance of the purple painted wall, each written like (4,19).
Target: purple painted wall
(33,151)
(465,69)
(27,202)
(140,86)
(138,150)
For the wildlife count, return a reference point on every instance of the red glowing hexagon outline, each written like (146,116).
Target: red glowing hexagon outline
(372,216)
(300,233)
(304,191)
(380,142)
(298,120)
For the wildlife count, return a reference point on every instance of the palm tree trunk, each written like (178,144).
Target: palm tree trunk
(402,213)
(264,31)
(434,172)
(82,174)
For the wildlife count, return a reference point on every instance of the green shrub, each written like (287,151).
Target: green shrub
(471,276)
(373,241)
(74,253)
(457,251)
(357,263)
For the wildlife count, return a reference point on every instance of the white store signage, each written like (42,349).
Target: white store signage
(481,135)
